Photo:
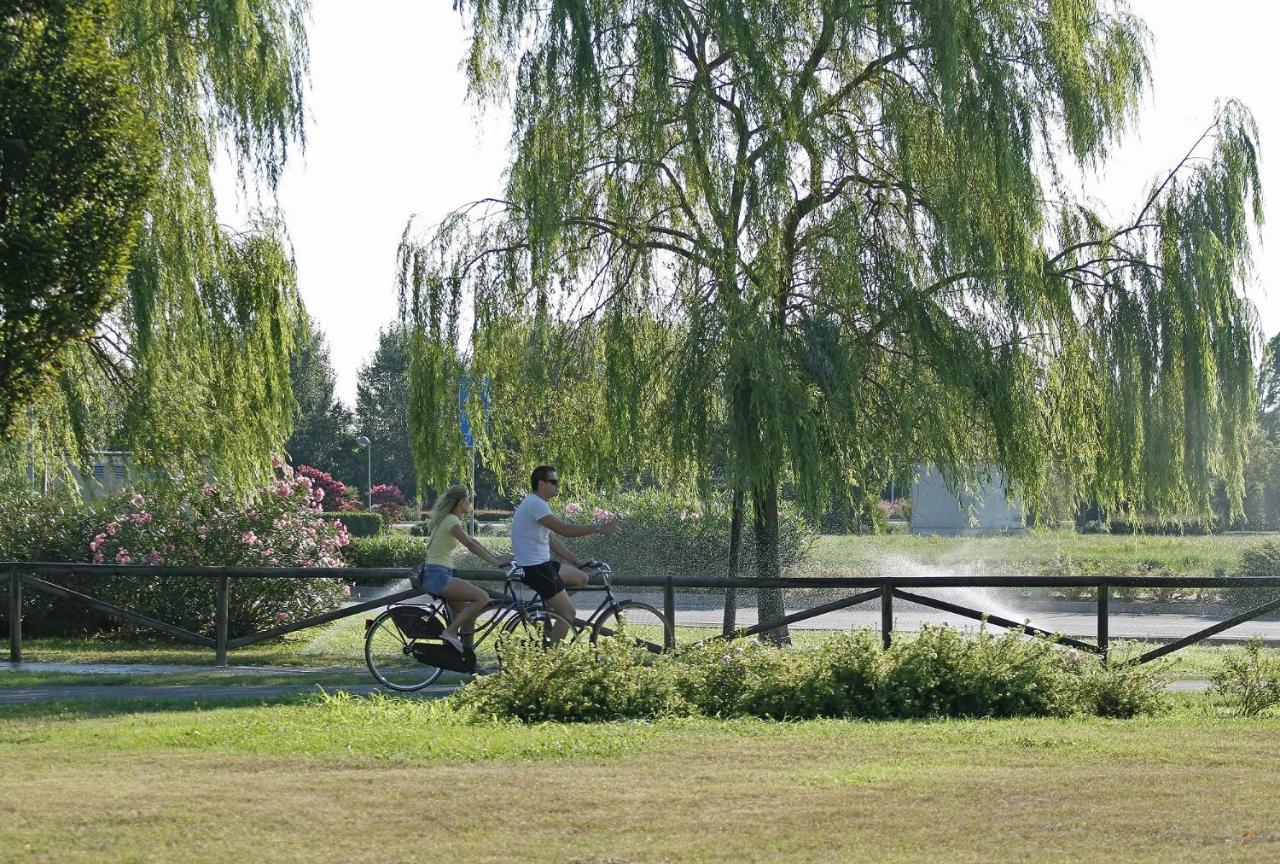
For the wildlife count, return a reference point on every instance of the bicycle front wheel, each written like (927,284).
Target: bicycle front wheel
(389,655)
(639,622)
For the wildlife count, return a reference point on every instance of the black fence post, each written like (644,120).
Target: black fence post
(669,604)
(886,615)
(220,622)
(1104,635)
(15,615)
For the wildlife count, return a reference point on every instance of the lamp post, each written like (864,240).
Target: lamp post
(364,442)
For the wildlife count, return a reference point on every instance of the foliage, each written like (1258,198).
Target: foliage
(391,549)
(323,434)
(280,526)
(1122,690)
(334,490)
(190,370)
(360,523)
(389,501)
(382,410)
(1249,681)
(662,532)
(819,238)
(939,672)
(76,165)
(576,683)
(1262,559)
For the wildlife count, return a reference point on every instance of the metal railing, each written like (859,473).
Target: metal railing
(35,575)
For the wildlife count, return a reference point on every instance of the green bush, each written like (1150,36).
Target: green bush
(941,672)
(360,523)
(577,682)
(662,534)
(1260,560)
(392,549)
(1121,690)
(1249,681)
(279,526)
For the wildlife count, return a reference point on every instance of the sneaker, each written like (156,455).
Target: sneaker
(452,640)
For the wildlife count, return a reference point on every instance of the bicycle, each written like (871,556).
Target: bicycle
(645,625)
(404,651)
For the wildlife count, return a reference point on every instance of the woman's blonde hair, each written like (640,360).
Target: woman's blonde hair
(447,500)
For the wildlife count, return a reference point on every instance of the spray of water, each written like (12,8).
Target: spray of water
(996,601)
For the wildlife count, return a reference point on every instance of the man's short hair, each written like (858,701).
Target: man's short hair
(542,472)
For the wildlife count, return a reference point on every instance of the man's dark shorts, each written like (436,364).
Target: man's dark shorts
(544,578)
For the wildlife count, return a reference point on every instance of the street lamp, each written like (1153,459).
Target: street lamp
(364,442)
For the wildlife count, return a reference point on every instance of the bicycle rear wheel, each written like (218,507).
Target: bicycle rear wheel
(482,637)
(645,626)
(543,624)
(388,653)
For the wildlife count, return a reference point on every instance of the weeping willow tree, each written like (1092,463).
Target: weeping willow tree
(190,369)
(75,165)
(862,218)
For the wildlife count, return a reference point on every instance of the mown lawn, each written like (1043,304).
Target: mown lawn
(1034,553)
(376,779)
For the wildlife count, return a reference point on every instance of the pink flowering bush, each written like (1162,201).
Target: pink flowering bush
(282,526)
(389,501)
(323,484)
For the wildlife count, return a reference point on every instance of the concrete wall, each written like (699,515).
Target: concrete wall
(983,508)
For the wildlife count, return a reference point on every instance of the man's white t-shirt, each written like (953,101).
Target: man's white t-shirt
(530,542)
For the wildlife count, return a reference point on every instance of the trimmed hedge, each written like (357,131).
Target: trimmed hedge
(392,549)
(359,523)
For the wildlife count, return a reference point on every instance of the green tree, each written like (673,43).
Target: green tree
(191,367)
(323,435)
(1262,470)
(858,218)
(76,164)
(382,411)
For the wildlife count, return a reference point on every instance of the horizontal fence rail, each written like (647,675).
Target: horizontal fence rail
(35,575)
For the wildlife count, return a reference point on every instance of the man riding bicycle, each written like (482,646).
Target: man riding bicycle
(533,530)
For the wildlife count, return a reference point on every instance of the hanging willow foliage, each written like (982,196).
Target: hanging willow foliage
(825,229)
(190,370)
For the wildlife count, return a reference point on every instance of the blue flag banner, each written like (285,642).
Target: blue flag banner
(464,390)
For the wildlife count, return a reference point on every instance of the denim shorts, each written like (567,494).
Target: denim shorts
(436,577)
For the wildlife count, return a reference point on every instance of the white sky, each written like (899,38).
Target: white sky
(391,135)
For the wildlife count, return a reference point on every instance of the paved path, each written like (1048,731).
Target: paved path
(1161,624)
(187,692)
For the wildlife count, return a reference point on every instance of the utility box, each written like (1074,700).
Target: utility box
(982,507)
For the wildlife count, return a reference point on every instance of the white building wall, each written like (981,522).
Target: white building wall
(982,508)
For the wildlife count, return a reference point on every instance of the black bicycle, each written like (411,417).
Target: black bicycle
(404,651)
(644,625)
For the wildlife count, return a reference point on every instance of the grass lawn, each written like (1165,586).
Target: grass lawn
(1037,552)
(375,779)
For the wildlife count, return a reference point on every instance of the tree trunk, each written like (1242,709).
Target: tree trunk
(769,604)
(735,555)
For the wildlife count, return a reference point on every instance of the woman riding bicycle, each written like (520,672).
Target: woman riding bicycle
(439,577)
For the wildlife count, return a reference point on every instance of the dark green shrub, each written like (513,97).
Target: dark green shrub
(942,672)
(360,523)
(392,549)
(1260,560)
(571,683)
(665,534)
(1249,681)
(1121,690)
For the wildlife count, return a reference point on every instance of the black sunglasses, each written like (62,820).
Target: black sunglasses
(554,481)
